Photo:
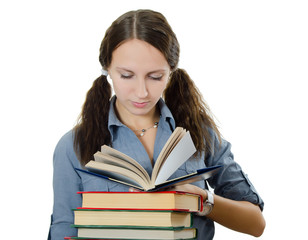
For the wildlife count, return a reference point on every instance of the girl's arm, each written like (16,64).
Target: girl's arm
(66,184)
(241,216)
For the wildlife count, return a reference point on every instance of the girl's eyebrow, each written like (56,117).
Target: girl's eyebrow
(124,69)
(158,71)
(127,70)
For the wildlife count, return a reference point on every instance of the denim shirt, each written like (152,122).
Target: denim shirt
(231,182)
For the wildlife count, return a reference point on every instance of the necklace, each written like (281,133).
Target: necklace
(143,131)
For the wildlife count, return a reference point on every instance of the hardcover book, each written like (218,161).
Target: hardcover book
(129,233)
(167,200)
(132,218)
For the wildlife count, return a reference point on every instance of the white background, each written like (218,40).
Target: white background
(249,59)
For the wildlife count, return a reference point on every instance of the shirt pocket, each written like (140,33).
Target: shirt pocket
(190,166)
(117,187)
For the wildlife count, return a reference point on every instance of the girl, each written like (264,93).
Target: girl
(140,54)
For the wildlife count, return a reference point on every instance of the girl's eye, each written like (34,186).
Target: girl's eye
(126,76)
(157,78)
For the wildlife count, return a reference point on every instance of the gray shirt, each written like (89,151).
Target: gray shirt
(230,183)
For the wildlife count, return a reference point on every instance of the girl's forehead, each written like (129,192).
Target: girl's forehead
(135,54)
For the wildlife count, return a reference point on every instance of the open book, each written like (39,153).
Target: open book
(113,165)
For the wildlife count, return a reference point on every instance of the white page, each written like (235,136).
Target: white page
(110,160)
(116,172)
(180,154)
(115,153)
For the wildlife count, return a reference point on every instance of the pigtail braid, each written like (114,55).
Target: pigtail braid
(189,110)
(92,132)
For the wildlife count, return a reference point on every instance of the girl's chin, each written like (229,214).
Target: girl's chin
(140,111)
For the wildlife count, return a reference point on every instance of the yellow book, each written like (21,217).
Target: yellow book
(132,218)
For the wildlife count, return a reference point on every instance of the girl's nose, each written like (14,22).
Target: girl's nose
(142,91)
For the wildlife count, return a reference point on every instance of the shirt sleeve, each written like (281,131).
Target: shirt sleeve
(231,182)
(66,184)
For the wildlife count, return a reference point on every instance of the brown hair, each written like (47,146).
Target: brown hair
(181,95)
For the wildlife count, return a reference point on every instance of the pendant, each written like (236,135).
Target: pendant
(145,129)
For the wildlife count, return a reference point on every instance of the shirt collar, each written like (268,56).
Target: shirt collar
(113,119)
(165,113)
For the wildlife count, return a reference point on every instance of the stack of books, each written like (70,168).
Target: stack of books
(136,215)
(151,213)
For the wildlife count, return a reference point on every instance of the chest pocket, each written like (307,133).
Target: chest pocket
(190,166)
(93,183)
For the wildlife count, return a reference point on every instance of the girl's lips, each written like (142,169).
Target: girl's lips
(140,105)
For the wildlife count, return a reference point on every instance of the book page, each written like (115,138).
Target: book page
(170,148)
(101,173)
(173,139)
(180,154)
(115,153)
(115,172)
(110,160)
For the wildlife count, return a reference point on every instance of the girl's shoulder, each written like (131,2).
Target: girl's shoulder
(67,140)
(65,148)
